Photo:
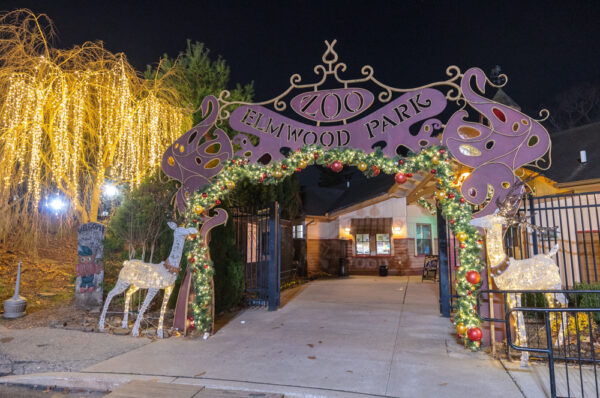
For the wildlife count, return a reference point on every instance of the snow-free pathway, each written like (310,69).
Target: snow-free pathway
(364,335)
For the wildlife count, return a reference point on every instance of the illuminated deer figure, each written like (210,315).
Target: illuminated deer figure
(137,274)
(539,272)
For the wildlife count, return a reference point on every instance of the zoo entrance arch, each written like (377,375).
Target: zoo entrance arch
(492,139)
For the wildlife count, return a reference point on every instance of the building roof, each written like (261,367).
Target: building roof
(565,154)
(319,200)
(504,99)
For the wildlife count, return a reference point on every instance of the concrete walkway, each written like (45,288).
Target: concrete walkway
(360,336)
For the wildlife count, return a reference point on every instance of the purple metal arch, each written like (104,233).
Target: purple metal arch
(505,140)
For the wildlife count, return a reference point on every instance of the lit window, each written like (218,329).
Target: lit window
(423,239)
(298,231)
(383,243)
(362,244)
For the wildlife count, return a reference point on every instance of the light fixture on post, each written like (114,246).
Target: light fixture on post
(56,204)
(110,190)
(396,230)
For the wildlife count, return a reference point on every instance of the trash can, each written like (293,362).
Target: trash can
(343,266)
(383,270)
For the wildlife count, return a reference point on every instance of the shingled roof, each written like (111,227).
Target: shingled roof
(319,200)
(566,147)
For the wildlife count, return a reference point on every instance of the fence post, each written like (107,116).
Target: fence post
(443,264)
(534,234)
(274,244)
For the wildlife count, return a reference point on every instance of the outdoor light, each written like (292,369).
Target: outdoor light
(57,204)
(110,190)
(396,230)
(347,229)
(583,156)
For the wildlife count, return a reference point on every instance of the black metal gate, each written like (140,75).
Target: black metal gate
(258,238)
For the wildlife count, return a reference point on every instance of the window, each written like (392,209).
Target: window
(362,244)
(298,231)
(423,239)
(383,243)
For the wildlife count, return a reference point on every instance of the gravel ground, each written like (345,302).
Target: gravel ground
(37,350)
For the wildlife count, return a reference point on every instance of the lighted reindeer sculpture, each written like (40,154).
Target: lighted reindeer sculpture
(137,274)
(539,272)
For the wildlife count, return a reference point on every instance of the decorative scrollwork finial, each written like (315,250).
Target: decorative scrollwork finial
(331,54)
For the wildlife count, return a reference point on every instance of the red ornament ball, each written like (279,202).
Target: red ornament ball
(190,318)
(298,169)
(337,166)
(442,151)
(462,246)
(462,200)
(401,161)
(433,171)
(217,202)
(283,166)
(204,194)
(376,171)
(452,221)
(400,178)
(409,175)
(224,187)
(195,221)
(451,195)
(473,277)
(264,175)
(192,260)
(205,266)
(474,334)
(316,155)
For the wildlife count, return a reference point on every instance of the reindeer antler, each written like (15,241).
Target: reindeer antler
(509,206)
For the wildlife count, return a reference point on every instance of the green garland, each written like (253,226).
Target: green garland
(432,159)
(424,203)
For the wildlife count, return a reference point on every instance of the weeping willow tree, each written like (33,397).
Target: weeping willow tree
(71,119)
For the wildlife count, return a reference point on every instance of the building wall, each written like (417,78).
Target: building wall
(327,241)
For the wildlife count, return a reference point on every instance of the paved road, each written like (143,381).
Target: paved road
(364,335)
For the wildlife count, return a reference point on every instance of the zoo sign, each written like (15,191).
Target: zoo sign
(493,139)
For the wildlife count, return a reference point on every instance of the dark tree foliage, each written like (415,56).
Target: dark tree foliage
(287,193)
(229,269)
(575,107)
(197,76)
(138,228)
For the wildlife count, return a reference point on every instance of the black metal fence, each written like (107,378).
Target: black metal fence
(577,216)
(559,327)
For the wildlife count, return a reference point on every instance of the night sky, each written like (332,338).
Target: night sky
(544,47)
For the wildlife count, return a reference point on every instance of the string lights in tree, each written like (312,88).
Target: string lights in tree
(434,160)
(71,118)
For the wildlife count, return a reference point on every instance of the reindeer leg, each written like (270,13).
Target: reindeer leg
(149,296)
(131,290)
(521,332)
(163,307)
(562,300)
(118,289)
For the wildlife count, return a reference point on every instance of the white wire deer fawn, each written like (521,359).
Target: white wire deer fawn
(539,272)
(137,274)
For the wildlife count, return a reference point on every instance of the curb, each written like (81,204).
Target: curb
(104,382)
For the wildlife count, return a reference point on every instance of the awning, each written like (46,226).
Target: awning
(371,225)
